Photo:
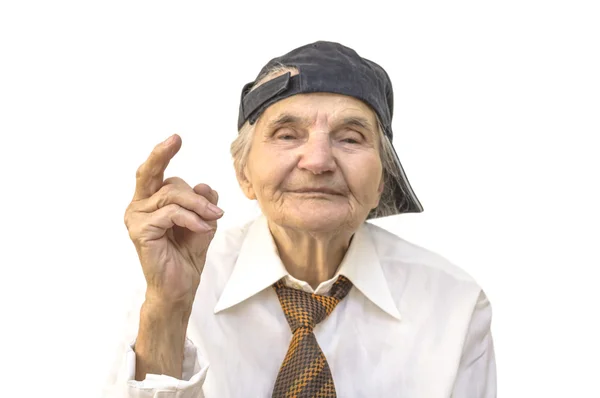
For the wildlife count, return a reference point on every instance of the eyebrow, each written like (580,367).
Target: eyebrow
(359,122)
(287,119)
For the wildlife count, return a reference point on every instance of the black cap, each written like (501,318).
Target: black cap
(332,68)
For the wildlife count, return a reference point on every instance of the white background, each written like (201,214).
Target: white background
(496,121)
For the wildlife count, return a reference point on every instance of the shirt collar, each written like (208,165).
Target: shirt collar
(258,267)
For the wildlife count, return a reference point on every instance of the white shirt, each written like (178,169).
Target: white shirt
(413,325)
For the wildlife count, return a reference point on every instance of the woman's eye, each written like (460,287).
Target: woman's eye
(285,134)
(286,137)
(351,138)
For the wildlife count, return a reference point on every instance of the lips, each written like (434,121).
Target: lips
(323,190)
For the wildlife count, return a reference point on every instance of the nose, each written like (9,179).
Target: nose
(317,154)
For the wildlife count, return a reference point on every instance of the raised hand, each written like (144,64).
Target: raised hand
(171,225)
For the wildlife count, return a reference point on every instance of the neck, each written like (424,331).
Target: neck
(308,256)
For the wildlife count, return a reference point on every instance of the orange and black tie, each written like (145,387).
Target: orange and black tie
(304,372)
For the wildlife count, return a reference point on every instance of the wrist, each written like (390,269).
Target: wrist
(155,308)
(160,342)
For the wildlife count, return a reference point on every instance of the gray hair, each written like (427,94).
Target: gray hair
(240,148)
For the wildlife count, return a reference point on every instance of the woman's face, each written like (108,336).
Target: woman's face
(314,163)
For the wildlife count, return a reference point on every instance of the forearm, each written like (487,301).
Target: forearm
(160,342)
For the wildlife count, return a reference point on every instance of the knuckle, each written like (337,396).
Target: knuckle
(128,214)
(153,170)
(172,209)
(175,181)
(166,189)
(164,196)
(139,173)
(134,234)
(135,230)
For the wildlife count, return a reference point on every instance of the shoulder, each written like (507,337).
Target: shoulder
(417,273)
(397,251)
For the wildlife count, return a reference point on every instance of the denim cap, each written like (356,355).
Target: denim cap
(328,67)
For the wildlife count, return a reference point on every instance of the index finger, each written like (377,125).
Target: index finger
(149,176)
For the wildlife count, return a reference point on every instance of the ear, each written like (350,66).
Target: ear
(245,183)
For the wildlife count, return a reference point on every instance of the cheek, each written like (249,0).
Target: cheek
(270,169)
(364,177)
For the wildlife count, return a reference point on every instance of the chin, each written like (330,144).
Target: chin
(318,218)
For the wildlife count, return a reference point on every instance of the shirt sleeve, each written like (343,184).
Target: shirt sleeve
(160,386)
(190,385)
(476,377)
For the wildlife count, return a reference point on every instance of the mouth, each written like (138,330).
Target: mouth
(318,191)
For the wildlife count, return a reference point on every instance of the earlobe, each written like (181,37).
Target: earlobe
(250,193)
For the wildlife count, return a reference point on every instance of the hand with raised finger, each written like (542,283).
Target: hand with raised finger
(171,225)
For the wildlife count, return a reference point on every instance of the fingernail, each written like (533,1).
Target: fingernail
(169,140)
(215,209)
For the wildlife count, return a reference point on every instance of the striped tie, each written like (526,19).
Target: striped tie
(304,372)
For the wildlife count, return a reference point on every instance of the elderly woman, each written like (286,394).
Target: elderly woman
(308,300)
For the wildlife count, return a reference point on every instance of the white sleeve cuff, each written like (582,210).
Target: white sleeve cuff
(163,386)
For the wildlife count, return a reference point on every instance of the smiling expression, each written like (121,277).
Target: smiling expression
(314,163)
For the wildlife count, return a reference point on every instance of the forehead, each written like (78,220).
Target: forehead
(320,106)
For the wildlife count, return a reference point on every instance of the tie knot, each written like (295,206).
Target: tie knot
(304,309)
